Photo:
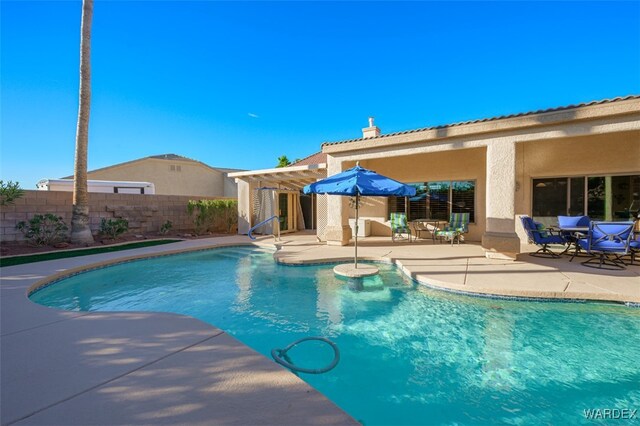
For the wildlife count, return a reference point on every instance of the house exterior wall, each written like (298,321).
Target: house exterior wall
(456,165)
(593,139)
(606,154)
(193,179)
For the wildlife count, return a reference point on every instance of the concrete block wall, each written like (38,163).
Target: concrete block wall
(145,213)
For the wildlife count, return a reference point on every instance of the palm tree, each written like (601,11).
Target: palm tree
(80,231)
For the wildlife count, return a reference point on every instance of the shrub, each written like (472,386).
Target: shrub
(44,229)
(9,192)
(114,227)
(165,228)
(213,214)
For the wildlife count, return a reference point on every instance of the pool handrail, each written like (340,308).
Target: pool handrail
(264,222)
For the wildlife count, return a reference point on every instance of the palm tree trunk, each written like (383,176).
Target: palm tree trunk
(80,230)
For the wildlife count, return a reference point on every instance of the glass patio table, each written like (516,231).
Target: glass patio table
(422,225)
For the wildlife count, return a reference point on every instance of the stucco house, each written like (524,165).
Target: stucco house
(578,159)
(172,175)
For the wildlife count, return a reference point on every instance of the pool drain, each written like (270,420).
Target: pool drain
(280,356)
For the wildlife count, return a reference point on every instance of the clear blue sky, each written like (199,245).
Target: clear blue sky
(236,84)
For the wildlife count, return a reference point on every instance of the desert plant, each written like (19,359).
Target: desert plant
(44,229)
(165,227)
(212,214)
(114,227)
(9,192)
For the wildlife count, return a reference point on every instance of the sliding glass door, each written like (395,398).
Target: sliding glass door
(600,197)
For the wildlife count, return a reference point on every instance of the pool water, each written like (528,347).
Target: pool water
(409,354)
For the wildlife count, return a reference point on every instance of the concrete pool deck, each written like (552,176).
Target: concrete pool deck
(59,367)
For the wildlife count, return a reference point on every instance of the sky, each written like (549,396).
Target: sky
(238,84)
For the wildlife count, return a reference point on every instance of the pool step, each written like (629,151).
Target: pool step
(237,254)
(248,252)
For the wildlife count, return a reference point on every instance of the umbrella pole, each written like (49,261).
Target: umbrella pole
(355,260)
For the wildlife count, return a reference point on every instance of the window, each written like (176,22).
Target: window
(175,168)
(599,197)
(437,200)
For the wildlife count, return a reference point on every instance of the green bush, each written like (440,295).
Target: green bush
(165,227)
(212,215)
(9,192)
(44,229)
(114,227)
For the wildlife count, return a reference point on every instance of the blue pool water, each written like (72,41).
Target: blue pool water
(410,355)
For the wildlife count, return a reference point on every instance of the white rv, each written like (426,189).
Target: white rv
(118,187)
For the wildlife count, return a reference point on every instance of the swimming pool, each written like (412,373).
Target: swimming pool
(410,355)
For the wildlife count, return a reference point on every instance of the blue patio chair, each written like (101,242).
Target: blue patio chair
(458,225)
(399,226)
(540,236)
(608,241)
(573,221)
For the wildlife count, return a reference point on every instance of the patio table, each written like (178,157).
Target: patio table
(435,223)
(575,233)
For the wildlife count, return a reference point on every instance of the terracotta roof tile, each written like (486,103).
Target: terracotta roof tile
(317,158)
(501,117)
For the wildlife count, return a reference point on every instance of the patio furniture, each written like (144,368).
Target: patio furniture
(540,236)
(399,227)
(609,241)
(573,228)
(458,225)
(428,226)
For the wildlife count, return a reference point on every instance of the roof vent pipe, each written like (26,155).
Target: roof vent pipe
(372,131)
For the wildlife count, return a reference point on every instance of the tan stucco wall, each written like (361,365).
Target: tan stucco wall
(439,166)
(194,179)
(615,153)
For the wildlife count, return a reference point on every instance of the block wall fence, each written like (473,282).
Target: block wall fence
(145,213)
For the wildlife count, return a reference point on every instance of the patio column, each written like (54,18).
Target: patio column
(244,206)
(500,240)
(338,231)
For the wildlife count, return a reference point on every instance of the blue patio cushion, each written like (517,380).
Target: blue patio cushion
(611,237)
(535,234)
(573,221)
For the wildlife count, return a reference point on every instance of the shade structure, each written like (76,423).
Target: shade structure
(356,182)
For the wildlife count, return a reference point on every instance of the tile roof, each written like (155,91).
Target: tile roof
(500,117)
(171,157)
(317,158)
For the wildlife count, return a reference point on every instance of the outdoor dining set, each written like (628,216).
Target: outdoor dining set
(451,231)
(606,244)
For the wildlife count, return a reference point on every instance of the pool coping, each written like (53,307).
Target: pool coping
(430,282)
(29,351)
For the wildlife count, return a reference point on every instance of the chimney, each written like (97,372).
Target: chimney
(372,131)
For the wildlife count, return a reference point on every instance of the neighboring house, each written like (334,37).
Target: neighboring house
(172,175)
(578,159)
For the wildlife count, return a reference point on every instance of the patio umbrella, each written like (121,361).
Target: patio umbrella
(357,182)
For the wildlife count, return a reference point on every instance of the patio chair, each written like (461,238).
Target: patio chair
(399,226)
(609,241)
(573,221)
(540,236)
(458,225)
